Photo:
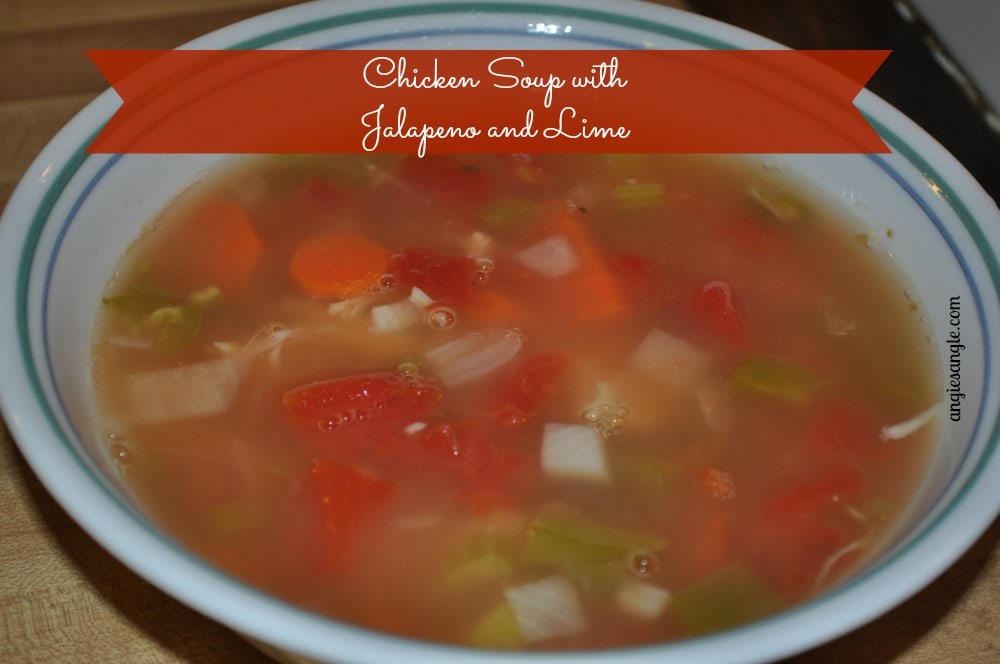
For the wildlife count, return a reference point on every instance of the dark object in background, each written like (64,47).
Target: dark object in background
(910,79)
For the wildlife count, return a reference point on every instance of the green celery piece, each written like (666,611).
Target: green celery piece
(777,378)
(497,630)
(561,536)
(637,195)
(134,308)
(510,215)
(176,326)
(729,597)
(597,578)
(644,476)
(172,322)
(783,207)
(488,568)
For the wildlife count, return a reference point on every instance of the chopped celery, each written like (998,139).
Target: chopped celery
(175,326)
(134,308)
(171,322)
(490,568)
(510,214)
(596,578)
(561,536)
(498,629)
(729,597)
(643,476)
(633,195)
(779,379)
(783,207)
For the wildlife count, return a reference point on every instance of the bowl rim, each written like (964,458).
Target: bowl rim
(156,558)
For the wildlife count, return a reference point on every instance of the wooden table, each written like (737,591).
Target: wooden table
(64,599)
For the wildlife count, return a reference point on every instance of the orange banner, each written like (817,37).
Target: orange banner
(487,101)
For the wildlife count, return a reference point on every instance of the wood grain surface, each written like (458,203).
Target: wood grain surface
(64,599)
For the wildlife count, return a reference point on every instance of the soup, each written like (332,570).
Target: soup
(512,401)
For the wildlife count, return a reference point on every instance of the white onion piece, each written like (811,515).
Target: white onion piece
(574,451)
(641,599)
(472,357)
(393,317)
(190,390)
(546,608)
(553,257)
(670,360)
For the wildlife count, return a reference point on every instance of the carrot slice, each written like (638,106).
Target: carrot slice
(591,287)
(338,266)
(225,250)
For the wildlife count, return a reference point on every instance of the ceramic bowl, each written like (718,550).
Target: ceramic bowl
(74,214)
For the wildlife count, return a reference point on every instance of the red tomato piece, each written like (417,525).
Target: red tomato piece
(356,400)
(488,474)
(446,279)
(715,307)
(493,477)
(834,488)
(639,278)
(349,497)
(845,430)
(526,388)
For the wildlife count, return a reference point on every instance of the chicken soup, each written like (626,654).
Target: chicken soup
(518,401)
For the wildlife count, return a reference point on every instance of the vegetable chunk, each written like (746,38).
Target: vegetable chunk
(338,266)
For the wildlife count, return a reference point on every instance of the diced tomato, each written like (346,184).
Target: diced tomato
(444,180)
(715,308)
(526,388)
(833,488)
(804,526)
(349,497)
(845,429)
(639,278)
(494,477)
(357,400)
(487,474)
(446,279)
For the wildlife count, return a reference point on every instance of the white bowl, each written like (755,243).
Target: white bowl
(73,215)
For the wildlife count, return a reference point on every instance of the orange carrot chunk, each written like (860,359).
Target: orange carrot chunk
(225,253)
(591,287)
(338,266)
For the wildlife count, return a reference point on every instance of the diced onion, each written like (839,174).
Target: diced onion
(641,599)
(420,298)
(386,318)
(669,359)
(350,308)
(191,390)
(553,257)
(574,450)
(546,608)
(474,356)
